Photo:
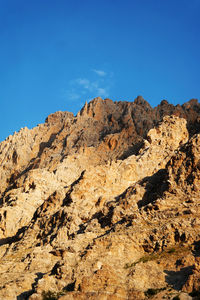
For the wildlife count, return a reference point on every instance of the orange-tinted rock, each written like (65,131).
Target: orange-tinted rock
(104,205)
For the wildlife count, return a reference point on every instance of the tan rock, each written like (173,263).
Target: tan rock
(87,212)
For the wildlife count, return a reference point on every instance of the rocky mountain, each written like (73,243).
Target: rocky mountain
(103,205)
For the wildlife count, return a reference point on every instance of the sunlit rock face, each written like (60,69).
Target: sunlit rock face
(103,205)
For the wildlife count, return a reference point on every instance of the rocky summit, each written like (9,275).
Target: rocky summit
(103,205)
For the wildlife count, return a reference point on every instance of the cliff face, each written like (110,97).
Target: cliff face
(104,205)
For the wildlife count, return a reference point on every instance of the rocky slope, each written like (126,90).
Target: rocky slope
(103,205)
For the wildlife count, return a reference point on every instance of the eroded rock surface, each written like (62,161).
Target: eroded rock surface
(104,205)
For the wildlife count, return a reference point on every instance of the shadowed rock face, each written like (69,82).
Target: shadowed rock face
(107,130)
(102,205)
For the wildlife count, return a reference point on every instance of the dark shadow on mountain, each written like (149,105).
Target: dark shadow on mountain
(70,287)
(25,295)
(133,150)
(18,236)
(178,278)
(155,187)
(67,200)
(196,251)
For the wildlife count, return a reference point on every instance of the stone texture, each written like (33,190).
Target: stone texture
(104,205)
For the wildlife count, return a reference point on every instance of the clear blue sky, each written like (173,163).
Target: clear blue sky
(56,54)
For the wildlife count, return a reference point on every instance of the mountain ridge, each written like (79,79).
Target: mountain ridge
(102,205)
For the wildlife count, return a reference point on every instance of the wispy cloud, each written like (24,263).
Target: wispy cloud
(73,95)
(90,87)
(102,92)
(83,82)
(95,88)
(100,72)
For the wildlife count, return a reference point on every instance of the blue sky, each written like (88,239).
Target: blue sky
(56,54)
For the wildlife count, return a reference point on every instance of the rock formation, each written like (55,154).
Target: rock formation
(103,205)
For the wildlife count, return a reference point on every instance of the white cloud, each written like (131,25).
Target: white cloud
(86,85)
(84,82)
(89,87)
(102,92)
(73,96)
(100,72)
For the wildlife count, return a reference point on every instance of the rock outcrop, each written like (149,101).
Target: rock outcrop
(103,205)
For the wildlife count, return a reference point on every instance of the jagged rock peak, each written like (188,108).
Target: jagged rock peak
(58,116)
(103,205)
(140,101)
(107,105)
(97,108)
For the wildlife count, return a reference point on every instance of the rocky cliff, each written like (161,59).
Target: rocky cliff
(103,205)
